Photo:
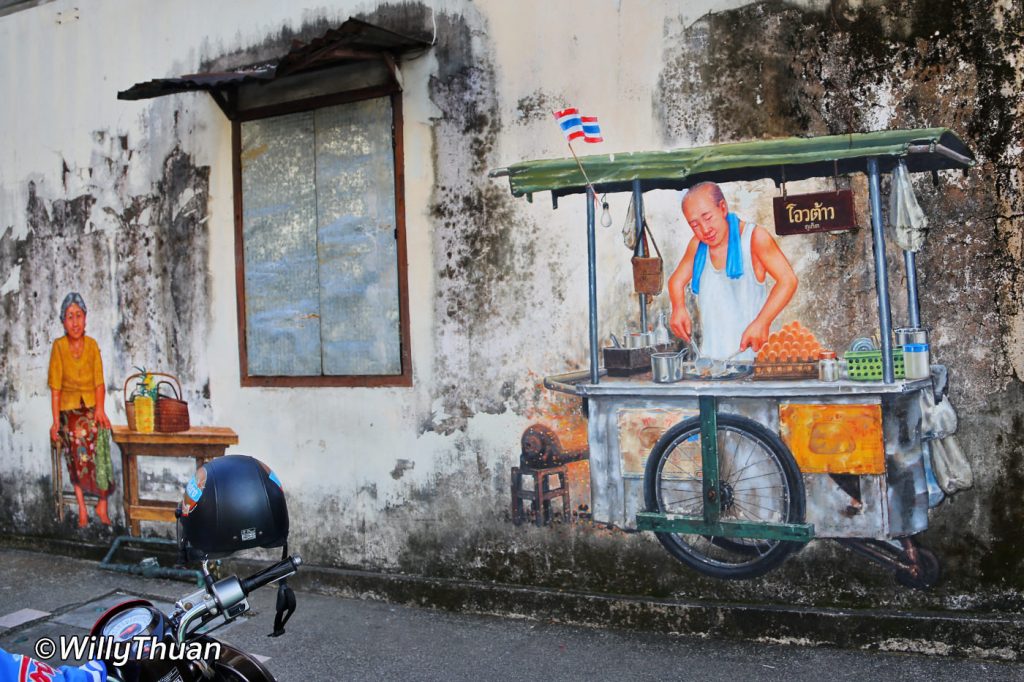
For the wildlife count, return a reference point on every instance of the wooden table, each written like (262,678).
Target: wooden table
(202,443)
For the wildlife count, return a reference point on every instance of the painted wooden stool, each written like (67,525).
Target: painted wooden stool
(541,495)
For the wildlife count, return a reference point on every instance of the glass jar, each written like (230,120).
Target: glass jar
(828,366)
(916,361)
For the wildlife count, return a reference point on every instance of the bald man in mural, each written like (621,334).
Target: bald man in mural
(727,264)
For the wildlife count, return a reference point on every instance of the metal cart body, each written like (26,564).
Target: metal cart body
(894,504)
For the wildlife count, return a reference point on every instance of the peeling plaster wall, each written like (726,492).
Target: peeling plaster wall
(131,203)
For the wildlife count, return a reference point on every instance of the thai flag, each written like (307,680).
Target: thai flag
(575,126)
(591,130)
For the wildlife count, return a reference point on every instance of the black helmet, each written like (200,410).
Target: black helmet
(232,503)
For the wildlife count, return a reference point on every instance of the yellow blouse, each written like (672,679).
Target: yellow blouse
(75,378)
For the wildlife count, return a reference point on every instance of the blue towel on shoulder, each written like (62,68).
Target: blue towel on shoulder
(733,257)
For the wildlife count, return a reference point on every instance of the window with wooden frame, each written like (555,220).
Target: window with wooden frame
(320,249)
(320,243)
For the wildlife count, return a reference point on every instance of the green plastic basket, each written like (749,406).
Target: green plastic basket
(866,365)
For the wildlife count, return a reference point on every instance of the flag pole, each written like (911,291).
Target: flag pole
(580,166)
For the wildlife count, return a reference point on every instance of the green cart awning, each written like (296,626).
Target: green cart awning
(783,159)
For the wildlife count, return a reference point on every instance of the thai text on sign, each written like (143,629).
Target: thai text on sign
(817,212)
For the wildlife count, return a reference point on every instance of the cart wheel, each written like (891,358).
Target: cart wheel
(759,481)
(928,571)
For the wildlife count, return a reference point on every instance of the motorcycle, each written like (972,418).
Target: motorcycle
(139,643)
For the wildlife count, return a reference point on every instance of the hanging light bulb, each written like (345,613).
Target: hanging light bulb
(606,216)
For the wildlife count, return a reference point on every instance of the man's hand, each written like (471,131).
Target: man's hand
(55,432)
(754,336)
(680,323)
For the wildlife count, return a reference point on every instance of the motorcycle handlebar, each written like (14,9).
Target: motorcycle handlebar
(281,569)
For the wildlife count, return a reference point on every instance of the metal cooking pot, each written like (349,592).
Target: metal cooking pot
(667,368)
(905,335)
(639,339)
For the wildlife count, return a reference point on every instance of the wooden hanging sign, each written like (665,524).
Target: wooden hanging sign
(817,212)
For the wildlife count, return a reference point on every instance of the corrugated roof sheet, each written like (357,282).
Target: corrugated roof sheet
(353,41)
(791,158)
(196,81)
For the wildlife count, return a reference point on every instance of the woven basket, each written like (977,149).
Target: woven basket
(129,406)
(129,410)
(171,413)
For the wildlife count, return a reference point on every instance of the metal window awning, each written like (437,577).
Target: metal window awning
(353,42)
(783,159)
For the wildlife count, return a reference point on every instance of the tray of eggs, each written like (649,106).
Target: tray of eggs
(790,353)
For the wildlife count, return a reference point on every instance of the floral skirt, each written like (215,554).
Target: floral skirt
(86,450)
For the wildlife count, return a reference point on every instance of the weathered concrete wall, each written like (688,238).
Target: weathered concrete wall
(131,203)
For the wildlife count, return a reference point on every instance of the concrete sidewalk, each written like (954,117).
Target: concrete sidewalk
(335,638)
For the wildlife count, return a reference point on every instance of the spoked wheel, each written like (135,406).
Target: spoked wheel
(759,481)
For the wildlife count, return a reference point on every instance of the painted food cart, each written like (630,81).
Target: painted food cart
(734,474)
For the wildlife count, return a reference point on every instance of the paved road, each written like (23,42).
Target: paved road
(332,638)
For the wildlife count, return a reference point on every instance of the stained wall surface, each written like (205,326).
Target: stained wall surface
(131,203)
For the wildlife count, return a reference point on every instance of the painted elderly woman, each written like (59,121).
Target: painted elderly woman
(80,423)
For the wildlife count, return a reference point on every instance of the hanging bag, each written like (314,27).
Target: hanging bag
(648,272)
(908,221)
(950,464)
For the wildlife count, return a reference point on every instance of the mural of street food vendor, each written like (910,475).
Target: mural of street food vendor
(726,265)
(807,446)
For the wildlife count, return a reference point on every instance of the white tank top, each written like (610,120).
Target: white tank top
(728,306)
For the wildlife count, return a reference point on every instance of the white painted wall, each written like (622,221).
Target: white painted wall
(63,65)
